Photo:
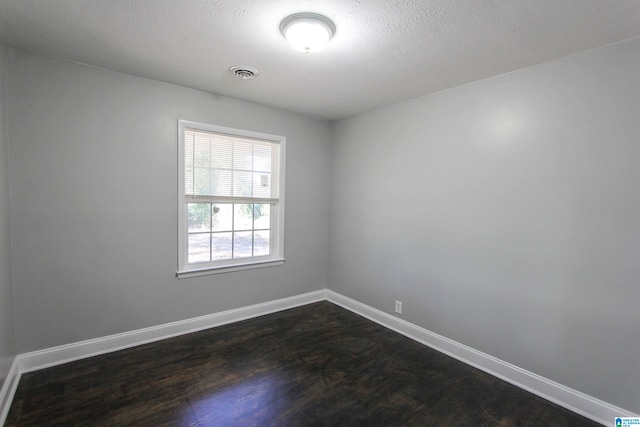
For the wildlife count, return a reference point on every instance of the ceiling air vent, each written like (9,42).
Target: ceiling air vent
(243,72)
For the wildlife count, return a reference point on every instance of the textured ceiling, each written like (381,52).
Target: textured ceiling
(383,51)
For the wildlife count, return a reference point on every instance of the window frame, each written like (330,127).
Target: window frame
(276,256)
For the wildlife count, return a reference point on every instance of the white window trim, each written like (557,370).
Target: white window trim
(186,270)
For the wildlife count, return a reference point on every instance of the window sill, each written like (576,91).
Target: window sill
(228,269)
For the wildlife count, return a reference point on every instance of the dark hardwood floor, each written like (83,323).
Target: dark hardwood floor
(317,365)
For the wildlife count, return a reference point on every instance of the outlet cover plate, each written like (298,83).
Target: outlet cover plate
(399,307)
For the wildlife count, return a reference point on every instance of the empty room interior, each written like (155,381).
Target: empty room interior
(453,179)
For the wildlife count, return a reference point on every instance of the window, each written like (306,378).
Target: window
(231,199)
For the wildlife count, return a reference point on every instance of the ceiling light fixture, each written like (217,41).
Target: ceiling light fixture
(307,32)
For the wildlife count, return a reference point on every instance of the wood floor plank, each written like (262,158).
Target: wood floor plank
(317,365)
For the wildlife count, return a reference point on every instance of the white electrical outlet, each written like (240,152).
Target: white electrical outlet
(399,307)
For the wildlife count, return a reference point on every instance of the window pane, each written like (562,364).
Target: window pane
(222,217)
(199,248)
(222,152)
(262,158)
(188,180)
(242,184)
(221,181)
(202,152)
(189,138)
(262,185)
(221,244)
(261,216)
(261,243)
(243,155)
(242,244)
(199,216)
(243,218)
(202,182)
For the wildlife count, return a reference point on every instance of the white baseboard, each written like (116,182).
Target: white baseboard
(566,397)
(8,390)
(41,359)
(575,401)
(70,352)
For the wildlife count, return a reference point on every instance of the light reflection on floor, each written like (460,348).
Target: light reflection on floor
(255,401)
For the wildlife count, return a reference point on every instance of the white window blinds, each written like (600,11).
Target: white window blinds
(221,167)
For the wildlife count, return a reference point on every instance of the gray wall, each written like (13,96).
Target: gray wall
(7,323)
(93,171)
(505,215)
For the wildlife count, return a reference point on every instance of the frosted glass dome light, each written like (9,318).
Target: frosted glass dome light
(307,32)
